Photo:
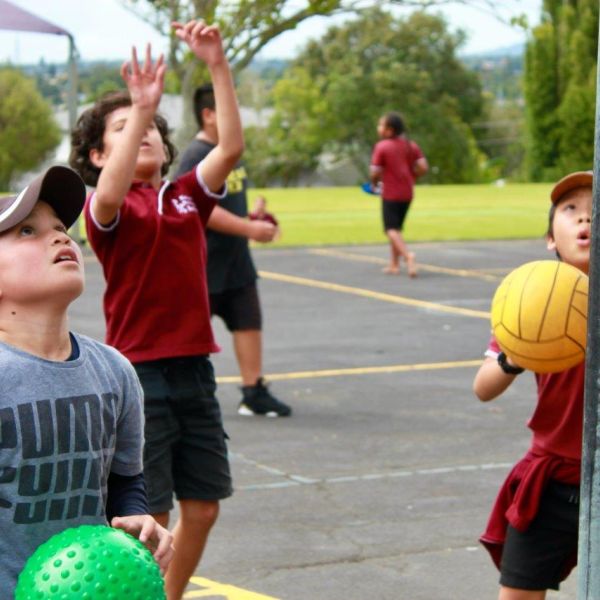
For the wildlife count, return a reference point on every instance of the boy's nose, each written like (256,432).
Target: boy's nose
(60,237)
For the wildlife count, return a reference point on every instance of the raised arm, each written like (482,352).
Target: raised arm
(124,131)
(205,42)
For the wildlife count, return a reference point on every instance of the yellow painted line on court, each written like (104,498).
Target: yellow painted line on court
(213,589)
(346,289)
(432,268)
(360,371)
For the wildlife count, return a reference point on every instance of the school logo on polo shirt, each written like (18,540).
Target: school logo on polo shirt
(184,205)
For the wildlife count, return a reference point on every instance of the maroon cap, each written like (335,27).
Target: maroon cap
(60,187)
(570,182)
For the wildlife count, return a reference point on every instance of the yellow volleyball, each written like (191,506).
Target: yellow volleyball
(539,316)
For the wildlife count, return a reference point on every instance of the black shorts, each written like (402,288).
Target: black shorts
(541,557)
(185,448)
(393,214)
(239,308)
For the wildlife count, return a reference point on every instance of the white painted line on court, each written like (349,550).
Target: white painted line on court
(301,479)
(295,480)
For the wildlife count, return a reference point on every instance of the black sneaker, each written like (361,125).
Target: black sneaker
(258,400)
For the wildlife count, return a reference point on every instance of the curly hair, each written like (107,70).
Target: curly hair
(89,133)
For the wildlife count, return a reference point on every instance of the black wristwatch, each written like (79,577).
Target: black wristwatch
(508,369)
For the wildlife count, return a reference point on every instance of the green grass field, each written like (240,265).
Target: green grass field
(320,216)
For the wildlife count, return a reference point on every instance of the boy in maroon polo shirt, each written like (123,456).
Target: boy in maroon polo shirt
(532,531)
(396,163)
(149,236)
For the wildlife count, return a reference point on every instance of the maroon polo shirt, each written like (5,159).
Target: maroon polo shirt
(154,259)
(396,157)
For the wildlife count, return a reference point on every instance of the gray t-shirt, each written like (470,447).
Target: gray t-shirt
(64,426)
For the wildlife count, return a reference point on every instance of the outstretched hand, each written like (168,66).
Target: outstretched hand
(203,40)
(145,83)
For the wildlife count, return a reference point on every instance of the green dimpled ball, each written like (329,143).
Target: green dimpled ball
(91,562)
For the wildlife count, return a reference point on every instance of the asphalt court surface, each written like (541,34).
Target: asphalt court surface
(381,482)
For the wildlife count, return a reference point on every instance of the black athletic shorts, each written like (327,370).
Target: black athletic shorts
(394,214)
(239,308)
(535,559)
(185,448)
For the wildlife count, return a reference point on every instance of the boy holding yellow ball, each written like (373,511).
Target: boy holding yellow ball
(532,530)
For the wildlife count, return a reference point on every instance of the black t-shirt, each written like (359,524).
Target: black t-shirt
(229,265)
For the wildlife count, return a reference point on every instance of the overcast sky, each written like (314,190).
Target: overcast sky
(103,29)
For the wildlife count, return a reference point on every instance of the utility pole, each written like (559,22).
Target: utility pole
(588,583)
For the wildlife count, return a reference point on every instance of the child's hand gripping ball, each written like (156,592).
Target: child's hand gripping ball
(539,316)
(92,562)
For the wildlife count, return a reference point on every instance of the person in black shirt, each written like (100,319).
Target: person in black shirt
(230,270)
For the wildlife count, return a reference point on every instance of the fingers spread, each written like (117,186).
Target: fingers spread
(135,66)
(148,61)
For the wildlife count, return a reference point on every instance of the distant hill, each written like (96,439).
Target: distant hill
(269,65)
(514,51)
(500,71)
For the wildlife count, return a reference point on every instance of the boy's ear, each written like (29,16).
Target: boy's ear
(550,243)
(209,116)
(97,158)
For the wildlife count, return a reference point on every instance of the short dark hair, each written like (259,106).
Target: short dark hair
(395,122)
(89,133)
(204,97)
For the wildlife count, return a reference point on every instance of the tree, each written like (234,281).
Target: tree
(248,25)
(560,88)
(331,98)
(291,144)
(96,79)
(28,131)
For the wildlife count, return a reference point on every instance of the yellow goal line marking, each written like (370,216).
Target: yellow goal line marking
(346,289)
(432,268)
(212,589)
(360,371)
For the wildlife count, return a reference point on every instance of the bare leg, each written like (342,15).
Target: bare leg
(394,267)
(507,593)
(248,351)
(189,539)
(257,400)
(398,243)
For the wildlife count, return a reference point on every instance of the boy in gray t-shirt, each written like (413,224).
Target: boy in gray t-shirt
(71,418)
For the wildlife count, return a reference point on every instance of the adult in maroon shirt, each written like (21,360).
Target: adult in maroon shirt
(395,164)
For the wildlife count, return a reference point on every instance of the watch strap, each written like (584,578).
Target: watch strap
(508,369)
